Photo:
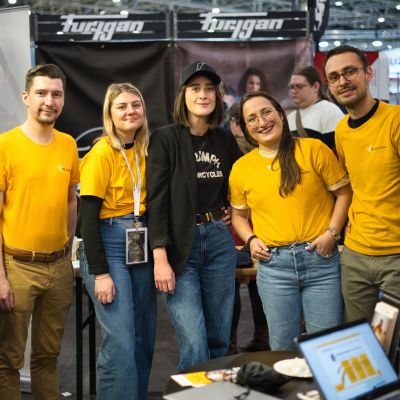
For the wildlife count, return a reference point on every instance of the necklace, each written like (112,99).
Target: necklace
(269,155)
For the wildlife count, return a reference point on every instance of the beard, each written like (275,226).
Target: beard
(354,99)
(47,119)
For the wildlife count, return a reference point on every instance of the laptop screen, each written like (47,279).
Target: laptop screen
(347,362)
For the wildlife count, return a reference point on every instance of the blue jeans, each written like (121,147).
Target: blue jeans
(295,280)
(201,308)
(128,324)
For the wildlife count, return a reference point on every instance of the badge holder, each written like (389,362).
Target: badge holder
(136,246)
(135,238)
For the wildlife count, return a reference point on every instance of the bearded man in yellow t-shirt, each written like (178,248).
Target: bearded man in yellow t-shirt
(368,146)
(38,175)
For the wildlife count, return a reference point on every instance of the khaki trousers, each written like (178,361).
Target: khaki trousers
(362,276)
(42,291)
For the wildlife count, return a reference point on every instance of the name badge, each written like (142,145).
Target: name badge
(136,246)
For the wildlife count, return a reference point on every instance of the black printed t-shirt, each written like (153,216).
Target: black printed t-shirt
(210,178)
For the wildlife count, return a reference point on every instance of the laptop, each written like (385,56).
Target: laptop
(348,363)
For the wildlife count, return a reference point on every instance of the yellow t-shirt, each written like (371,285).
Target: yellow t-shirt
(303,215)
(371,155)
(104,174)
(35,179)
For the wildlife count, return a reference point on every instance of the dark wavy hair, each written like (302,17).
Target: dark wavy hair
(290,169)
(249,72)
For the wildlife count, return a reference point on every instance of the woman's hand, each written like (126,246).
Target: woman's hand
(259,250)
(164,276)
(324,244)
(227,217)
(104,289)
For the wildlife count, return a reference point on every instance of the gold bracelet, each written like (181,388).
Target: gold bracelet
(332,230)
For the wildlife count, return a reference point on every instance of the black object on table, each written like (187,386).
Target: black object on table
(288,391)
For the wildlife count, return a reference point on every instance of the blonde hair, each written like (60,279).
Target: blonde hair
(142,134)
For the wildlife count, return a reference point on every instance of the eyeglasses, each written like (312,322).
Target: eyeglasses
(252,120)
(348,74)
(298,86)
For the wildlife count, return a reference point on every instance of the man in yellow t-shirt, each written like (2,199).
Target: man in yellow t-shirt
(39,170)
(368,146)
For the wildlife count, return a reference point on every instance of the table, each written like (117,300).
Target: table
(245,274)
(288,391)
(81,324)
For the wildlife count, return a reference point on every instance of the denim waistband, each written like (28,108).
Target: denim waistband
(296,246)
(141,218)
(291,245)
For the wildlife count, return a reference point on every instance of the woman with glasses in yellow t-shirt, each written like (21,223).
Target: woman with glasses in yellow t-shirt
(290,186)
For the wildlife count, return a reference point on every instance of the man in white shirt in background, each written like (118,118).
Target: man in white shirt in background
(316,117)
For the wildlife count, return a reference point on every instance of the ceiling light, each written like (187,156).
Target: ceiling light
(215,10)
(12,1)
(398,7)
(381,19)
(116,1)
(377,43)
(389,46)
(336,43)
(124,12)
(323,44)
(279,38)
(338,3)
(60,33)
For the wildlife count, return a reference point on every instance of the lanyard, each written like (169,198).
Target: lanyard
(136,186)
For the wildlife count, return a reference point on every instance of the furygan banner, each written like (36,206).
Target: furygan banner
(101,28)
(175,26)
(241,26)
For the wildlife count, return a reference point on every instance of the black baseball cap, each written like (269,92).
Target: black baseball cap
(199,68)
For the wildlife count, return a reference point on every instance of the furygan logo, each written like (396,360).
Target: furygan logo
(371,148)
(101,28)
(241,26)
(61,168)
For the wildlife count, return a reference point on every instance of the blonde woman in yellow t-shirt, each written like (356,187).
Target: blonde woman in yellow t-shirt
(290,186)
(117,273)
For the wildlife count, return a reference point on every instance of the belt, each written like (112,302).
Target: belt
(209,216)
(35,256)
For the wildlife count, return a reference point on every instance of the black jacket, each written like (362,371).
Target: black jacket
(172,187)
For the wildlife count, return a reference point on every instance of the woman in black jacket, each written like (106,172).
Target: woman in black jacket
(187,184)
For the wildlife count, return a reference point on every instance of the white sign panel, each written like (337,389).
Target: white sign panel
(15,60)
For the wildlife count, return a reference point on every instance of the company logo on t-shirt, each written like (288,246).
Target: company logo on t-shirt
(61,168)
(372,148)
